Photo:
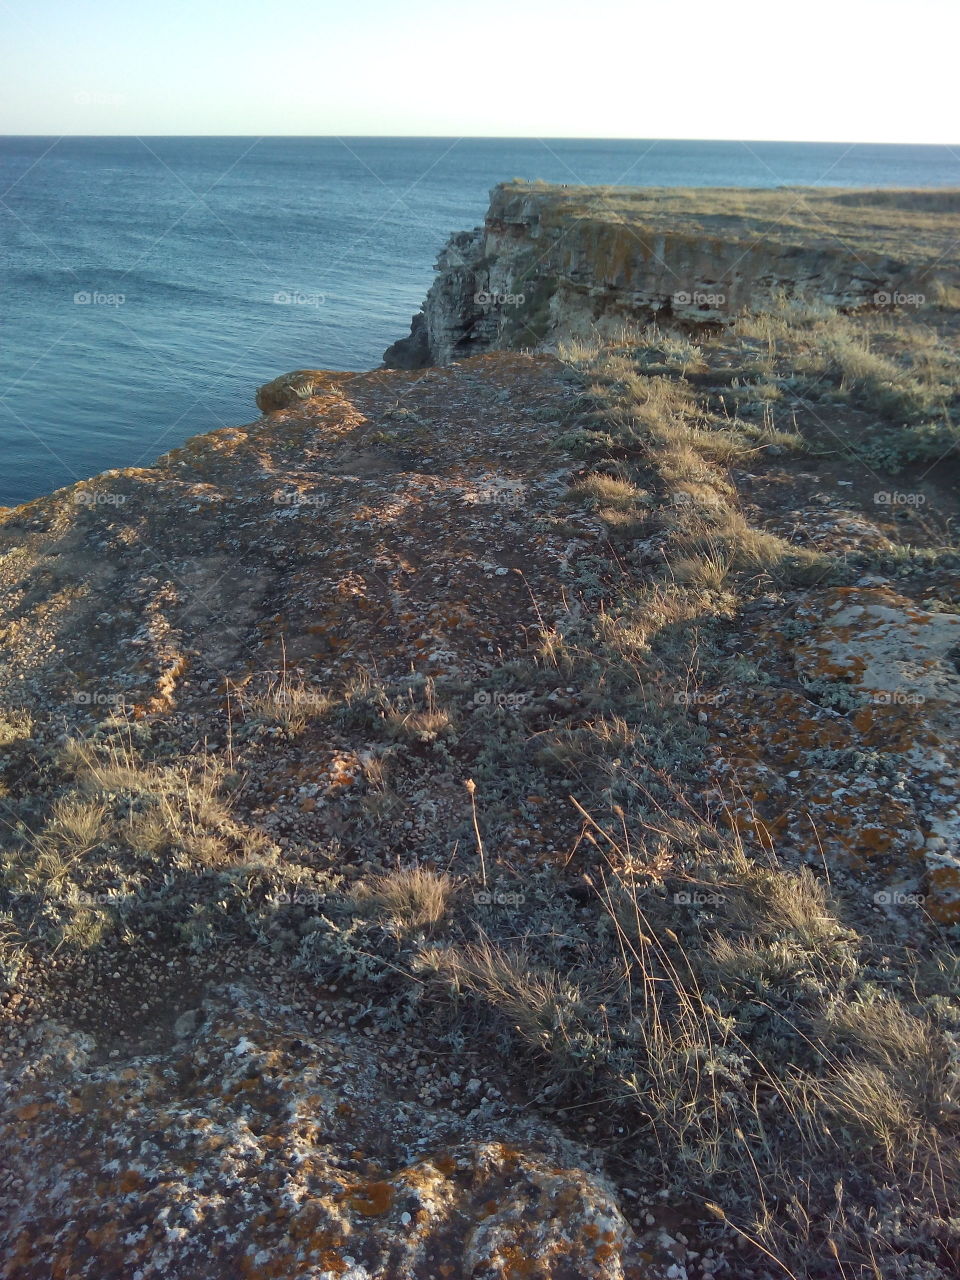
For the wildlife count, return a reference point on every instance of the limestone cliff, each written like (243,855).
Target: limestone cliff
(560,262)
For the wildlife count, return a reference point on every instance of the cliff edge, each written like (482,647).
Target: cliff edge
(565,262)
(503,819)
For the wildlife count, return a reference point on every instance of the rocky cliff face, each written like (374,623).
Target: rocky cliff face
(553,262)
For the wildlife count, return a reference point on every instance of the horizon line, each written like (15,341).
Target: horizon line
(478,137)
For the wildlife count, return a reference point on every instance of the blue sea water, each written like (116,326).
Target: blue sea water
(148,286)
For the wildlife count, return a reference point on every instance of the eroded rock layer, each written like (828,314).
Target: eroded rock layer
(555,263)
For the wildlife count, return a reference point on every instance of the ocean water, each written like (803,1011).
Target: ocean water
(148,286)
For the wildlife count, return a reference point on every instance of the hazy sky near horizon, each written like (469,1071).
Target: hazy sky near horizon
(826,70)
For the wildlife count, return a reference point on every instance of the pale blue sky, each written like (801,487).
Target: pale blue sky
(823,70)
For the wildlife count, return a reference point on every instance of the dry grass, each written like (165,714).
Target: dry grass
(777,902)
(897,366)
(708,570)
(540,1005)
(909,389)
(125,823)
(419,718)
(737,1126)
(181,809)
(818,1085)
(151,829)
(411,899)
(287,700)
(863,1099)
(782,320)
(608,491)
(946,295)
(683,465)
(76,824)
(555,650)
(619,503)
(767,435)
(13,948)
(99,769)
(419,726)
(15,725)
(870,1083)
(909,1051)
(578,351)
(689,450)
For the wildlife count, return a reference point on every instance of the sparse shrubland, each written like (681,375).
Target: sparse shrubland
(900,369)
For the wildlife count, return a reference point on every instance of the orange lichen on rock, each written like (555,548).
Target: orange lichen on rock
(371,1198)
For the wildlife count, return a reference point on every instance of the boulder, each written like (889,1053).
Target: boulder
(291,388)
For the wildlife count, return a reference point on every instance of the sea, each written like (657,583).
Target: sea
(149,285)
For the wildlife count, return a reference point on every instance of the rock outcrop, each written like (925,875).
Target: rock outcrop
(551,263)
(256,1146)
(290,388)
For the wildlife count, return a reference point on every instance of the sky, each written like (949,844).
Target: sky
(823,70)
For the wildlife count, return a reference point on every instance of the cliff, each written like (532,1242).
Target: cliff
(498,820)
(553,263)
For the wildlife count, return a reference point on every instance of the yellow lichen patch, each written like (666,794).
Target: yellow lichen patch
(371,1198)
(943,902)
